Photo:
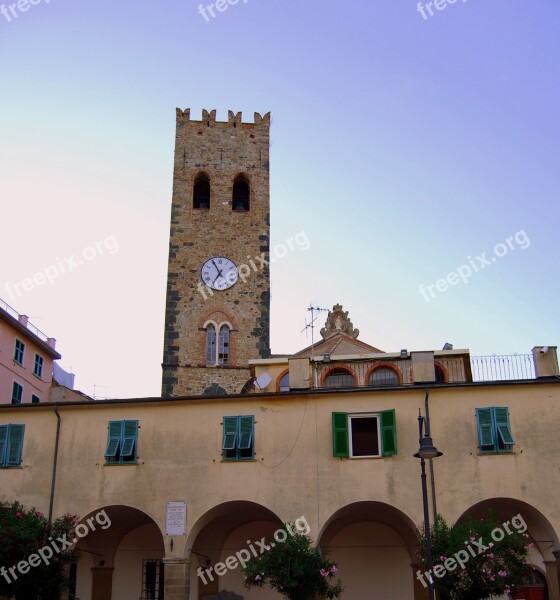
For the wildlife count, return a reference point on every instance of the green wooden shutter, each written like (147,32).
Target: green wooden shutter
(230,433)
(502,425)
(485,427)
(130,436)
(114,439)
(246,432)
(388,432)
(340,434)
(3,444)
(15,445)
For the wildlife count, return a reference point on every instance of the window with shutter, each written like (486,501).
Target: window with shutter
(363,435)
(388,432)
(340,434)
(494,431)
(11,445)
(505,439)
(3,444)
(17,393)
(122,442)
(238,438)
(19,352)
(15,445)
(38,365)
(130,435)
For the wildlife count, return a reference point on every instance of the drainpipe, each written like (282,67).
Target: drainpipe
(431,464)
(55,460)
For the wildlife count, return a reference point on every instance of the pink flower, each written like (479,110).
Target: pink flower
(324,573)
(257,578)
(18,514)
(442,558)
(39,514)
(334,569)
(502,573)
(490,555)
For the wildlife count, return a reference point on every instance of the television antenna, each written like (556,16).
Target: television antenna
(314,310)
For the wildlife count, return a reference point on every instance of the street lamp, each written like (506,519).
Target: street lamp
(427,451)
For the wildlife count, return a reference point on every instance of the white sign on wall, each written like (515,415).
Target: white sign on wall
(176,518)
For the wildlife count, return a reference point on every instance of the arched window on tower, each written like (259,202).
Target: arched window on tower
(210,345)
(241,193)
(223,356)
(201,191)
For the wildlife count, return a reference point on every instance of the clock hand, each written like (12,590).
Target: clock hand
(217,268)
(219,272)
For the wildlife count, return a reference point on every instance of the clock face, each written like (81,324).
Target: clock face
(219,273)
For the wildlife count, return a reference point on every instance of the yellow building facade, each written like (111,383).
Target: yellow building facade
(363,510)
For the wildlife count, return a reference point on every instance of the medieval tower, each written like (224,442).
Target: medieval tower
(218,282)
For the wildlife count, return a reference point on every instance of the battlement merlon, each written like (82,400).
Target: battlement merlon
(234,119)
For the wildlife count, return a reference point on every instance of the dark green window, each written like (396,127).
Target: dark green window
(11,445)
(122,442)
(238,439)
(17,392)
(38,365)
(19,352)
(362,435)
(494,431)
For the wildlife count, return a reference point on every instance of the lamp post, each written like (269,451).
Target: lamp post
(427,451)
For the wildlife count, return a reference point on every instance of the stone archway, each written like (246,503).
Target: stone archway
(219,534)
(544,556)
(374,545)
(121,555)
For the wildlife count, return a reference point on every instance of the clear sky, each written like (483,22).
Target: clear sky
(408,146)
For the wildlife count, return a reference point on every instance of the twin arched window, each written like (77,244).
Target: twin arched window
(217,345)
(241,194)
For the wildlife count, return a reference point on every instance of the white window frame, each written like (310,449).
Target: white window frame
(350,440)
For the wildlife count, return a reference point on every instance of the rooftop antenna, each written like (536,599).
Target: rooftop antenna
(95,386)
(311,325)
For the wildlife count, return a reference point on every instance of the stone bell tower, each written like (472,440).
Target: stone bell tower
(218,283)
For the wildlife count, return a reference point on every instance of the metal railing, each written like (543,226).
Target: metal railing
(15,315)
(504,367)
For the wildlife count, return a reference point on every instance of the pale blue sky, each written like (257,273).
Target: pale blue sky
(400,145)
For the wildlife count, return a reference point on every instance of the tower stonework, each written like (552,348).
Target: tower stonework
(219,238)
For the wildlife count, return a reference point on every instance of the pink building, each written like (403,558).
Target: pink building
(27,357)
